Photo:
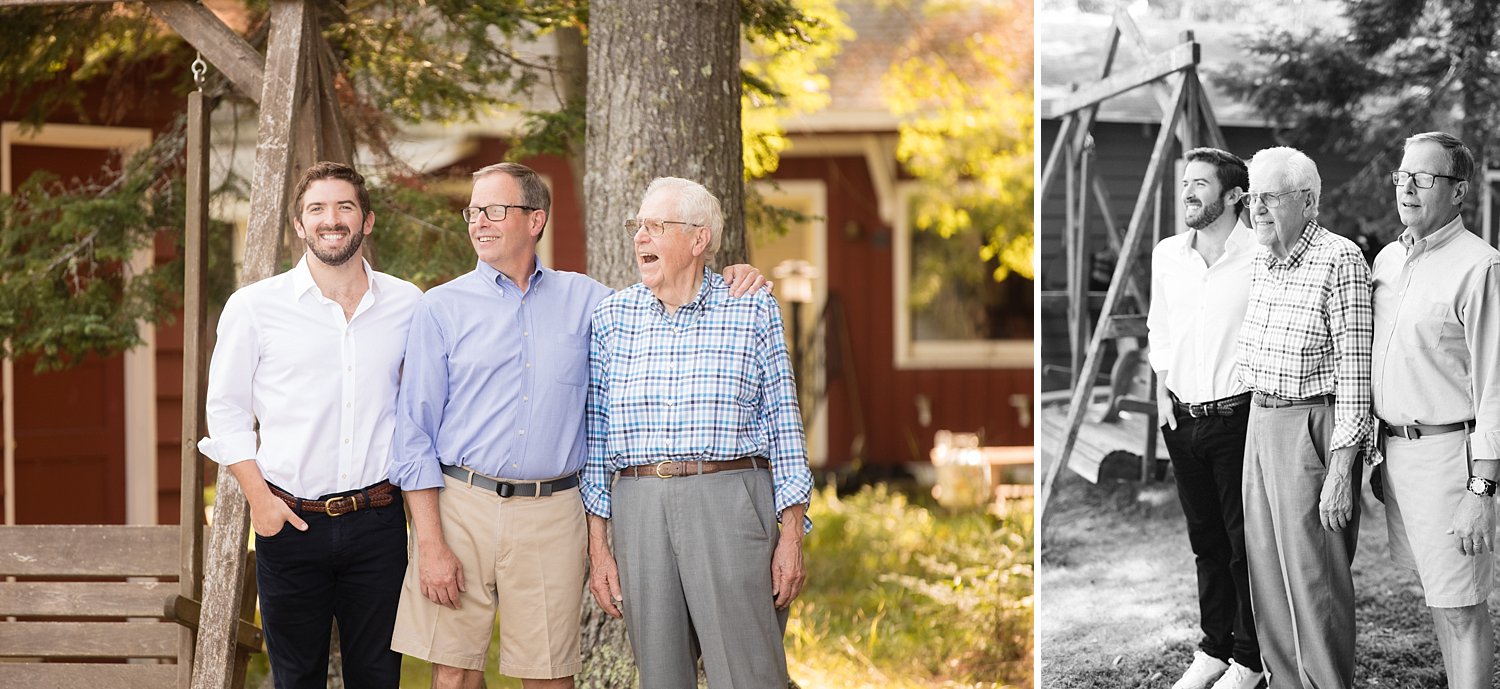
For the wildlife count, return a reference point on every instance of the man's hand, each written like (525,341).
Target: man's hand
(787,572)
(604,575)
(269,515)
(1164,403)
(744,279)
(1474,524)
(442,576)
(1336,504)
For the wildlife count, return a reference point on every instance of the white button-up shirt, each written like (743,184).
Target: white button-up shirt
(322,387)
(1195,316)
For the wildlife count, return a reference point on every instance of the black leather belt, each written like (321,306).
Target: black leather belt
(1273,402)
(506,489)
(1416,431)
(1220,407)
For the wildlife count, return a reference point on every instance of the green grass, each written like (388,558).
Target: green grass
(903,594)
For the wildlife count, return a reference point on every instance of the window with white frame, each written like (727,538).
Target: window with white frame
(950,311)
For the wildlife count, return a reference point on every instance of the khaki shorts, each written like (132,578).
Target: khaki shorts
(522,555)
(1424,481)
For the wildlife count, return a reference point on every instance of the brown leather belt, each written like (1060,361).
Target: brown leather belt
(1273,402)
(1416,431)
(378,495)
(695,467)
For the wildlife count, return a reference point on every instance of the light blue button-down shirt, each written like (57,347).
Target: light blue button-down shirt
(496,379)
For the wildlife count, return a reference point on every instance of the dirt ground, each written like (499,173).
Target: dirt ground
(1117,595)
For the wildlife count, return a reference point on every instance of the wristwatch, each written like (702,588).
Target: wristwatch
(1481,486)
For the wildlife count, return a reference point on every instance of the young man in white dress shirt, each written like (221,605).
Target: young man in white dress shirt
(313,357)
(1200,284)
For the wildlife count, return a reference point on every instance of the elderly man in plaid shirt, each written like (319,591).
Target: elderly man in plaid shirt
(1304,351)
(695,451)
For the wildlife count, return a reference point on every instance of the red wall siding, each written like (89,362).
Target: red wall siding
(860,271)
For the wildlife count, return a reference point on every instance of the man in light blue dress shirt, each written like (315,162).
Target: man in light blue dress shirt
(489,442)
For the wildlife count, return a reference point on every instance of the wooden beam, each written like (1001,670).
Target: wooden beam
(1182,57)
(194,370)
(80,675)
(88,640)
(1055,156)
(83,551)
(224,574)
(1079,403)
(230,54)
(189,613)
(84,599)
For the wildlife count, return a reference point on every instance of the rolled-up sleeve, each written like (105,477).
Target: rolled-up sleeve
(594,484)
(781,415)
(420,404)
(1351,326)
(229,406)
(1481,319)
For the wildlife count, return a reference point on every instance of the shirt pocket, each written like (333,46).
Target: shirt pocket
(1436,327)
(569,356)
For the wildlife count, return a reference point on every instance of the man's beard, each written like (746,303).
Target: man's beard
(341,256)
(1207,214)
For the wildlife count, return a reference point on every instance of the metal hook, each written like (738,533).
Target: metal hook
(199,69)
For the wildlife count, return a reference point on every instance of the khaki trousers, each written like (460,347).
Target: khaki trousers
(1300,584)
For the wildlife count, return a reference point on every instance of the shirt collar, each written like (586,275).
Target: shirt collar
(712,283)
(1433,241)
(1239,241)
(1311,232)
(302,279)
(488,272)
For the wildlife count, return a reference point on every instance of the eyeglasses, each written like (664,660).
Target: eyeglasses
(653,226)
(1270,199)
(495,213)
(1423,180)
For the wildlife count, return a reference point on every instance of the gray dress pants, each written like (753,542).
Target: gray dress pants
(694,554)
(1300,583)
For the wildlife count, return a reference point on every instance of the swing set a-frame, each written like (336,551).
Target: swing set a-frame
(299,123)
(1188,121)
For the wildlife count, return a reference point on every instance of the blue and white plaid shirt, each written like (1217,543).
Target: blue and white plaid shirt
(712,381)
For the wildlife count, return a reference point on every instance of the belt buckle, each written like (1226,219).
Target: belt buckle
(663,465)
(1198,410)
(1410,433)
(328,506)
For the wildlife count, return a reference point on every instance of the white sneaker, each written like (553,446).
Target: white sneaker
(1204,670)
(1239,677)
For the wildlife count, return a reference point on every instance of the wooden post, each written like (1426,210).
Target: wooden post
(225,571)
(195,315)
(1074,237)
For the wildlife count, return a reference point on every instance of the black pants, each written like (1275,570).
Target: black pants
(347,568)
(1208,458)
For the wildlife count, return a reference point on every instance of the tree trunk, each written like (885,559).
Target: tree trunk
(663,101)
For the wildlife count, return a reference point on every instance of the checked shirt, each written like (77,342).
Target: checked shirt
(1308,328)
(712,381)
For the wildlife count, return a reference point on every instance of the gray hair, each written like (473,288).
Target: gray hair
(695,204)
(1460,158)
(1289,167)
